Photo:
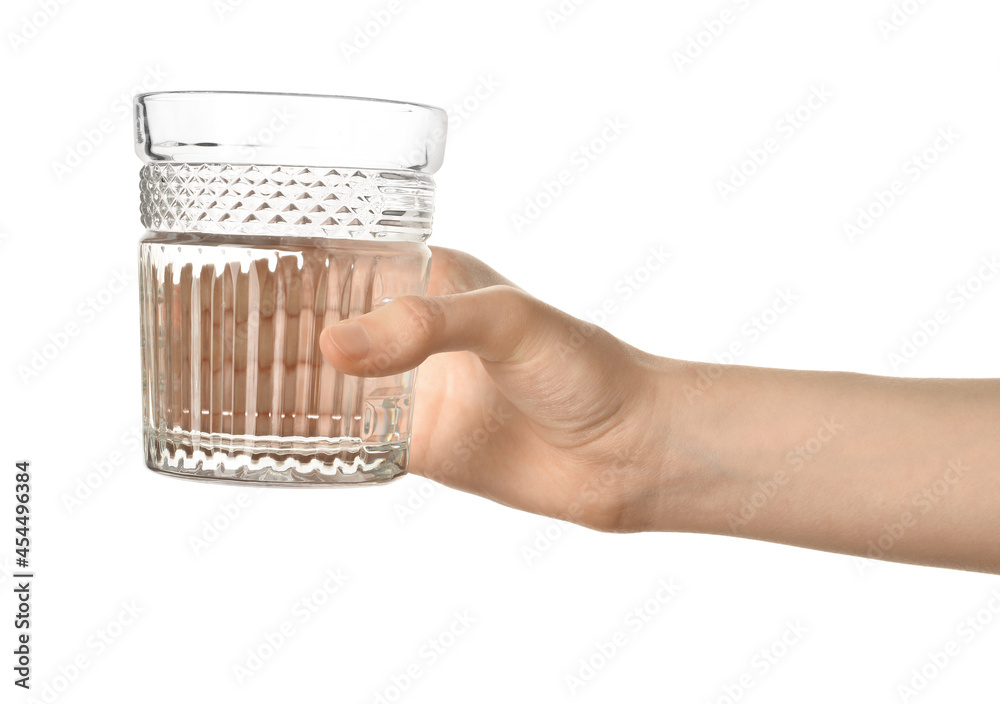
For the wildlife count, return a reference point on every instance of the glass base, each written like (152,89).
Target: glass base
(273,460)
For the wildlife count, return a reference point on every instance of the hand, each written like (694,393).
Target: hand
(516,401)
(530,407)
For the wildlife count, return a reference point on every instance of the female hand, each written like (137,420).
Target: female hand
(516,401)
(530,407)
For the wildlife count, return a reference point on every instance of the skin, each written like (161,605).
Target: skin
(527,406)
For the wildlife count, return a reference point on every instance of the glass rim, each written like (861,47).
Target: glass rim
(145,97)
(289,129)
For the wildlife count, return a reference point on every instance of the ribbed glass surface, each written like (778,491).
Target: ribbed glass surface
(234,384)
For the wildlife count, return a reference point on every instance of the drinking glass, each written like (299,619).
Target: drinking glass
(269,217)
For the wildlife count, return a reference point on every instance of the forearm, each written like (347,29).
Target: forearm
(901,469)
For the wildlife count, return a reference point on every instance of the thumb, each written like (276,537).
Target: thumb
(497,323)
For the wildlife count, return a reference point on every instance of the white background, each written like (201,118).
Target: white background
(868,624)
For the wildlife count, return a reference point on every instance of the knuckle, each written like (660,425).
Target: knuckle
(512,297)
(522,310)
(517,333)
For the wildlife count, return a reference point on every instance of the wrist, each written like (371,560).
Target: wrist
(684,482)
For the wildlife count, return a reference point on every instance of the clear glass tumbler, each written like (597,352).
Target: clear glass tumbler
(269,217)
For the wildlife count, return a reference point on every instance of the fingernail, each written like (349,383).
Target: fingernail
(351,339)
